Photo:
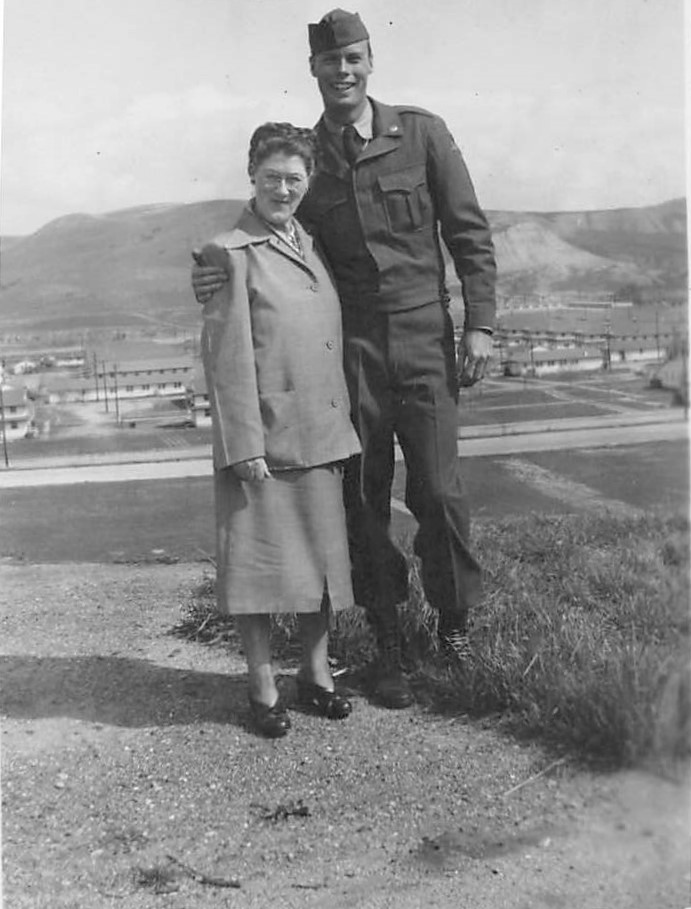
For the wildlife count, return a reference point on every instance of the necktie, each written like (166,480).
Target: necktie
(352,144)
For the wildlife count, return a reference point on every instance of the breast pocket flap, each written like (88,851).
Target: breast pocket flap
(403,181)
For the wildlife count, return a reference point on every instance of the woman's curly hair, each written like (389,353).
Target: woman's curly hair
(271,138)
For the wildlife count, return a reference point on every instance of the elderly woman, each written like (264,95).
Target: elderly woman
(272,349)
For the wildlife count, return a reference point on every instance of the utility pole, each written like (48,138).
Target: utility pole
(115,389)
(657,332)
(105,384)
(684,390)
(96,375)
(4,431)
(500,345)
(608,351)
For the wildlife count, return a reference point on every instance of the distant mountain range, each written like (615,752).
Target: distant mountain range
(131,268)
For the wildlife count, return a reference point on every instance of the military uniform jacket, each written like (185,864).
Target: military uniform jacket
(379,222)
(272,352)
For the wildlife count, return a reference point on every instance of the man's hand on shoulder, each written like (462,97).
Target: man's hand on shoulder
(474,353)
(206,279)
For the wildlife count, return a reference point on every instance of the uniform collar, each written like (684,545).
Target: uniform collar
(382,121)
(364,125)
(387,123)
(387,132)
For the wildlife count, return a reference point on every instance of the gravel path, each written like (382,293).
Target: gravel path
(129,778)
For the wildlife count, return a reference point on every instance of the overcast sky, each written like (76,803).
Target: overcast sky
(556,104)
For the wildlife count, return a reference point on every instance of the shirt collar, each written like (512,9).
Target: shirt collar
(364,124)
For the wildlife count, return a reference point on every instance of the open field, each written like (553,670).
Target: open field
(144,437)
(128,520)
(498,400)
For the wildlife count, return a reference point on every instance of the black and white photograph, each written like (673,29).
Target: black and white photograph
(344,468)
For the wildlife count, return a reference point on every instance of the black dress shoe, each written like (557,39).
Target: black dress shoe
(330,704)
(272,722)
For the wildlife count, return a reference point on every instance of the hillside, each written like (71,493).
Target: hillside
(596,251)
(534,259)
(7,241)
(131,267)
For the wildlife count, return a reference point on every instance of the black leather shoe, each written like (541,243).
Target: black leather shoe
(392,690)
(330,704)
(272,722)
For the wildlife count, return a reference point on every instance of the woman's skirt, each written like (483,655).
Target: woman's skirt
(281,544)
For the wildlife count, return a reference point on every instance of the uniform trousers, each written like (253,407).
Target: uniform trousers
(401,374)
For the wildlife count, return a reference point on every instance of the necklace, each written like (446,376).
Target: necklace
(290,237)
(293,239)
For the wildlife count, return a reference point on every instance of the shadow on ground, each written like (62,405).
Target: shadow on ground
(118,691)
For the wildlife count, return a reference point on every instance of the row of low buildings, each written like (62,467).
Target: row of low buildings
(517,358)
(176,379)
(587,337)
(181,384)
(181,379)
(587,320)
(135,379)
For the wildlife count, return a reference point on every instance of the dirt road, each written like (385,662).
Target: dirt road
(130,779)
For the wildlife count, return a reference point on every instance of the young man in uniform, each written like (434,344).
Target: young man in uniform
(390,181)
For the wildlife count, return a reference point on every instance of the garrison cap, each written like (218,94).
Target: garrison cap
(338,28)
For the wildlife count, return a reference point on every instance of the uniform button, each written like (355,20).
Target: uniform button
(330,345)
(314,288)
(334,402)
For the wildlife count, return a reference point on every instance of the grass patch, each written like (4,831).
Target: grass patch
(584,627)
(582,638)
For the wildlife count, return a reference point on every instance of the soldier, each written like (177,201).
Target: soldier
(389,182)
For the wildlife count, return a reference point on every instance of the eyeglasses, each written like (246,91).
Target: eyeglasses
(272,180)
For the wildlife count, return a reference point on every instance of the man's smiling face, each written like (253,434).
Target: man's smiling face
(342,75)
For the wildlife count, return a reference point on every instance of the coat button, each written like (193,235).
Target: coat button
(330,345)
(334,402)
(314,288)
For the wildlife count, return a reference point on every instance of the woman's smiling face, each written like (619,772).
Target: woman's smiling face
(280,182)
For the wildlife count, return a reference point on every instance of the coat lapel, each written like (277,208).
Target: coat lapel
(257,232)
